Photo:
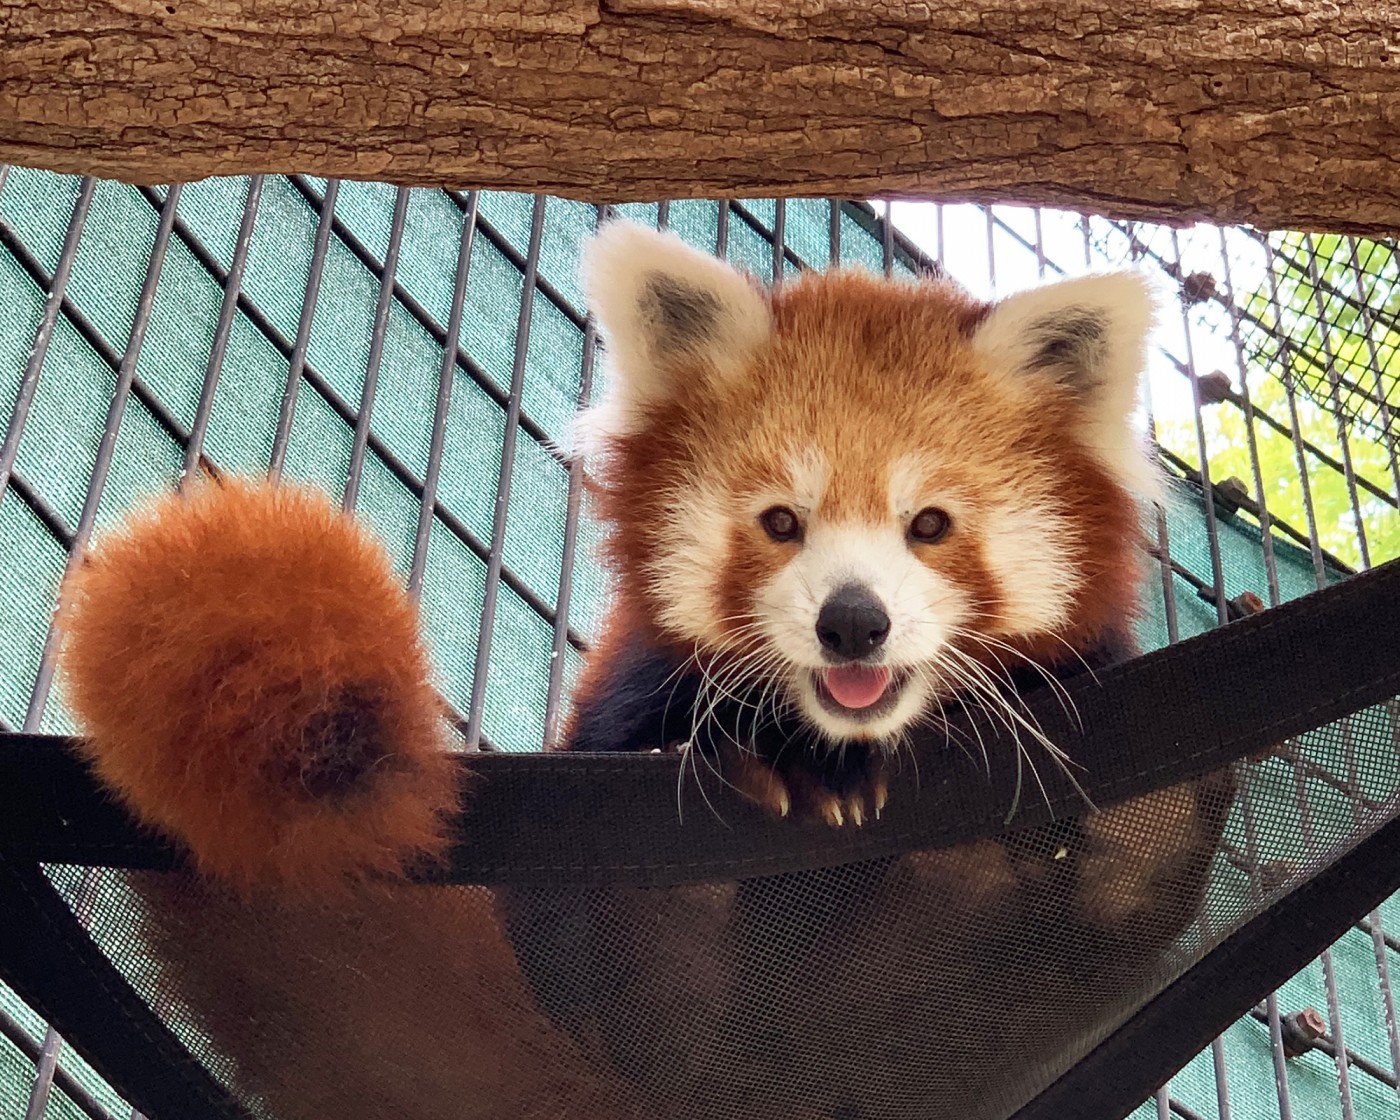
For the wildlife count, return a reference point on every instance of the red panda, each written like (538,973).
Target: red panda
(834,510)
(838,505)
(250,680)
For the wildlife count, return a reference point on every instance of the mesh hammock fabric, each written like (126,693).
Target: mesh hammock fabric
(698,960)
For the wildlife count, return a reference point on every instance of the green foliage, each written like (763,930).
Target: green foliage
(1334,333)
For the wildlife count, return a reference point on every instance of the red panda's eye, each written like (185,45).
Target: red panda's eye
(929,525)
(781,524)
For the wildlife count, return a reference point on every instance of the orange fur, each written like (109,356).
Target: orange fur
(400,1002)
(248,675)
(869,371)
(250,679)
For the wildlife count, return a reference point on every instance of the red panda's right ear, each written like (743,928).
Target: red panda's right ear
(661,305)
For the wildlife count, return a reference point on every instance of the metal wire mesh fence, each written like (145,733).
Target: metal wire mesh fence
(303,326)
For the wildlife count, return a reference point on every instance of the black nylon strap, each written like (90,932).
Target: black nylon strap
(1144,1053)
(48,959)
(1165,717)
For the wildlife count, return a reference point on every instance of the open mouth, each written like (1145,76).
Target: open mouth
(858,691)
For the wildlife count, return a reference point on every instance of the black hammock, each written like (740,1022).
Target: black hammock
(580,849)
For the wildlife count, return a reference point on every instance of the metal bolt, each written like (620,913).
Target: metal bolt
(1245,604)
(1230,493)
(1275,874)
(1300,1030)
(1197,287)
(1214,387)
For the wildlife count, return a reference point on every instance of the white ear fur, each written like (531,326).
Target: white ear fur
(657,301)
(1090,334)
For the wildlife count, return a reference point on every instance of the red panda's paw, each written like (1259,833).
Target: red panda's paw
(247,673)
(841,789)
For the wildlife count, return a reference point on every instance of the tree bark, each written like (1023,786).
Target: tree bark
(1282,113)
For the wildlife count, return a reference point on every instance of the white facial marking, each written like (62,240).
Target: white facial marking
(906,488)
(686,571)
(808,474)
(1028,549)
(922,607)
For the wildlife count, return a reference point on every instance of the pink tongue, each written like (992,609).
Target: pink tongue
(856,686)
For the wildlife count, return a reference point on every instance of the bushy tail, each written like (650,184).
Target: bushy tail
(250,679)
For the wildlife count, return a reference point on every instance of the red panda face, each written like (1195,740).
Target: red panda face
(858,490)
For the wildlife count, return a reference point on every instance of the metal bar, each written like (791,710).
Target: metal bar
(1217,568)
(1334,1015)
(1222,1078)
(4,175)
(1179,1109)
(46,1069)
(481,668)
(1385,419)
(1300,458)
(1163,1102)
(1164,552)
(20,1039)
(1251,507)
(1287,348)
(1039,244)
(991,251)
(47,515)
(91,335)
(97,481)
(1348,471)
(563,601)
(429,322)
(233,284)
(503,244)
(287,413)
(43,1076)
(376,350)
(887,240)
(1285,1102)
(1304,813)
(750,219)
(1389,940)
(868,218)
(24,399)
(347,414)
(1380,943)
(1266,538)
(722,229)
(663,214)
(442,406)
(779,239)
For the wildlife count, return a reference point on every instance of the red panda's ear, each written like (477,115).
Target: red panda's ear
(1090,335)
(662,305)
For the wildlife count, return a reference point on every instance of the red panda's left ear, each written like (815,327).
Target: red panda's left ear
(665,310)
(1090,335)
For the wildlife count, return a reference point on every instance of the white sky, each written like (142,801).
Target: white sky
(961,242)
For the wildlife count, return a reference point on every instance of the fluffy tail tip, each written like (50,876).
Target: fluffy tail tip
(249,678)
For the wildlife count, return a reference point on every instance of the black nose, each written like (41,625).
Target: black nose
(852,623)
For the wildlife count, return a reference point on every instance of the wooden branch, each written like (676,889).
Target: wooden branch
(1284,113)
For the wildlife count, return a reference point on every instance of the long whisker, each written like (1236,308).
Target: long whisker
(1067,703)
